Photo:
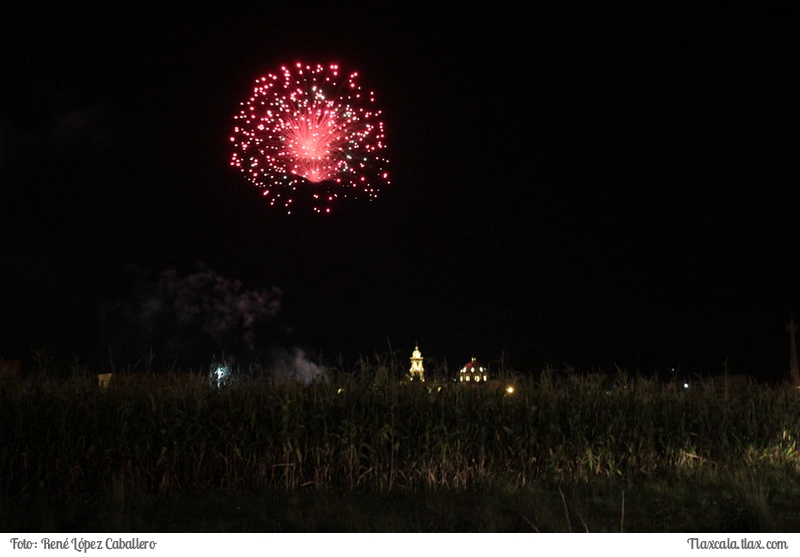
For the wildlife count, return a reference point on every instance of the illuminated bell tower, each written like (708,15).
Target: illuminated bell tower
(416,372)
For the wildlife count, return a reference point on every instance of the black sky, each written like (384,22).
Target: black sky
(607,186)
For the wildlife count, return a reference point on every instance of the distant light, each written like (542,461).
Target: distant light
(510,389)
(220,374)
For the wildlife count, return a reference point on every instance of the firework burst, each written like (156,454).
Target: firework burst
(311,132)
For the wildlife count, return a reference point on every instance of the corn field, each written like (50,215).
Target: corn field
(165,433)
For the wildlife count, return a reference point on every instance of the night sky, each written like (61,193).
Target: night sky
(612,186)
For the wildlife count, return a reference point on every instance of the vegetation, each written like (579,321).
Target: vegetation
(173,451)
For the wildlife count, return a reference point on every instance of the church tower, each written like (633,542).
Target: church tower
(416,373)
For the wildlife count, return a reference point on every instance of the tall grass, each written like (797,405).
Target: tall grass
(165,433)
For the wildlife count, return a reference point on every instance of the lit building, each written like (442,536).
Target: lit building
(417,372)
(473,372)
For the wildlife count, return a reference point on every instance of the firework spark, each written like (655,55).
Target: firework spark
(311,131)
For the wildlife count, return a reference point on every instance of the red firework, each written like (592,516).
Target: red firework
(311,131)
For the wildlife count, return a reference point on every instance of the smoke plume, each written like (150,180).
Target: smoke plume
(186,319)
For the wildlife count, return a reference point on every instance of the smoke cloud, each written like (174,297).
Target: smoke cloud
(186,319)
(295,364)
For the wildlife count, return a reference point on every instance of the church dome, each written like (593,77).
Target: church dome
(473,372)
